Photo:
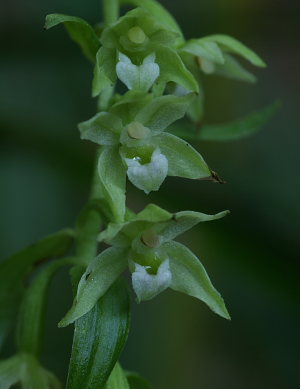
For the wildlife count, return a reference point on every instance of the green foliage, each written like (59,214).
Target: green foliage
(32,312)
(138,138)
(79,30)
(235,130)
(105,327)
(14,270)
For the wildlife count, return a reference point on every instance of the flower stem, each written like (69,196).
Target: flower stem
(110,11)
(90,219)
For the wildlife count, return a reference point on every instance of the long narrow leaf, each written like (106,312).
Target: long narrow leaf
(14,270)
(99,338)
(30,327)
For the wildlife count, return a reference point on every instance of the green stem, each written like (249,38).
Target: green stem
(111,14)
(90,219)
(110,11)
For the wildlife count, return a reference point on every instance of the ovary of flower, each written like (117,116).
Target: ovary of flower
(147,286)
(148,176)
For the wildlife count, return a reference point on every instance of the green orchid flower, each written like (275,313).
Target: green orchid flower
(145,244)
(134,131)
(129,42)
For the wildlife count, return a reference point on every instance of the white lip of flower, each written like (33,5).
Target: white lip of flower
(138,77)
(147,286)
(150,176)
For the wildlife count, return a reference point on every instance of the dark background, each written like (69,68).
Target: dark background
(252,256)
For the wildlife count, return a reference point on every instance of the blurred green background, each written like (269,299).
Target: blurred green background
(252,256)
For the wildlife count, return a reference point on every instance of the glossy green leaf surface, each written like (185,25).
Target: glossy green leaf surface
(79,30)
(97,279)
(112,174)
(99,338)
(117,379)
(15,269)
(184,160)
(190,277)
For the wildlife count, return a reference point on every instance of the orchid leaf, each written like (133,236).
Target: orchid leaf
(79,30)
(105,327)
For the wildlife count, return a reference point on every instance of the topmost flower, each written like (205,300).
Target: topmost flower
(137,31)
(137,35)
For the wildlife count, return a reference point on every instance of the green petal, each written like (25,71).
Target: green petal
(232,45)
(112,174)
(173,69)
(204,49)
(163,111)
(104,128)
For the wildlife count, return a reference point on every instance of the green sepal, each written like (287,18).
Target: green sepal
(235,130)
(122,234)
(128,105)
(184,160)
(173,69)
(15,269)
(136,381)
(79,30)
(116,35)
(117,379)
(204,49)
(30,328)
(112,174)
(157,11)
(190,277)
(96,280)
(163,111)
(184,221)
(234,70)
(99,338)
(105,70)
(232,45)
(104,129)
(166,224)
(23,369)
